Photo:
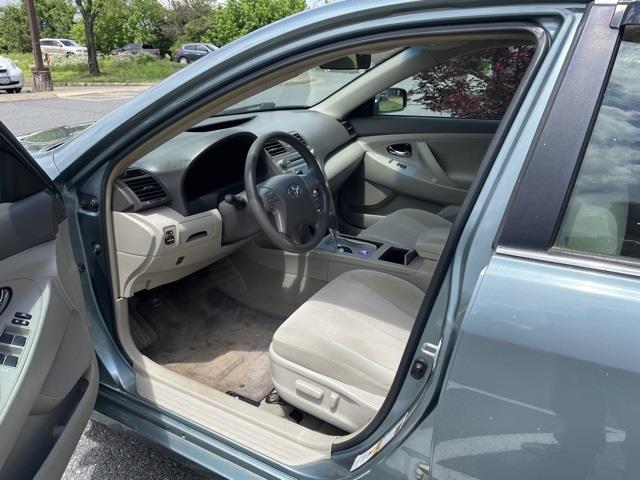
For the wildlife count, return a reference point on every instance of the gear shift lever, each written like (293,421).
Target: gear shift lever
(342,244)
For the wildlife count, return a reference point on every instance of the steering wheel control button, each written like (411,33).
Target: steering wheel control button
(6,338)
(271,199)
(22,315)
(19,341)
(10,361)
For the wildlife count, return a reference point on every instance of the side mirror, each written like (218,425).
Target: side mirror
(390,100)
(356,61)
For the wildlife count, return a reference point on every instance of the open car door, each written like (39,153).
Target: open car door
(48,368)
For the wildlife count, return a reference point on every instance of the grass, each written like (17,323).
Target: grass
(114,68)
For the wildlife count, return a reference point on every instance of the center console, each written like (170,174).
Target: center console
(342,244)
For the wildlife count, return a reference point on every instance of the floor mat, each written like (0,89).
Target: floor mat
(209,337)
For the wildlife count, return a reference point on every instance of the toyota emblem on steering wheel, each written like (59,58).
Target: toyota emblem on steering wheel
(294,191)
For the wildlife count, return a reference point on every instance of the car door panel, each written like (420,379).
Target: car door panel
(44,214)
(431,171)
(47,397)
(564,408)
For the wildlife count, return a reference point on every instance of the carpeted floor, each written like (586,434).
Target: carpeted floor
(206,335)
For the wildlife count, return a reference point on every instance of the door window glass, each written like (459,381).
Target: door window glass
(474,85)
(603,213)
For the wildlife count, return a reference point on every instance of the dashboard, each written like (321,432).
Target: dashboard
(174,210)
(199,167)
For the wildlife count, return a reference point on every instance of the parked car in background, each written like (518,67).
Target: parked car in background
(11,77)
(190,52)
(61,46)
(136,48)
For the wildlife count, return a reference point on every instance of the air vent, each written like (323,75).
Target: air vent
(348,127)
(133,172)
(299,137)
(146,188)
(275,148)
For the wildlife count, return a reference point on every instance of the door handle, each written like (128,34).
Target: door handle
(5,297)
(400,149)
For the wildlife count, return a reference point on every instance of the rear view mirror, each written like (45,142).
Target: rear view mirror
(356,61)
(390,100)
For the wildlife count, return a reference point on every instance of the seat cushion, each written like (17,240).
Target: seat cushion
(336,356)
(353,330)
(403,227)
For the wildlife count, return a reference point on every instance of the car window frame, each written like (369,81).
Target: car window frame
(537,206)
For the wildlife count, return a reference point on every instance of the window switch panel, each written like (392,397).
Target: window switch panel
(10,361)
(6,338)
(19,341)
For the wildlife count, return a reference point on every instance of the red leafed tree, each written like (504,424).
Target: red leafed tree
(474,85)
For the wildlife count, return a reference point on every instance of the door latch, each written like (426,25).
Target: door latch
(432,351)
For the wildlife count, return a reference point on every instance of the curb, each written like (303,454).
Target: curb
(102,84)
(93,88)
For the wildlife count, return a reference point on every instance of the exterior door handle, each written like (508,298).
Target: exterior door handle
(400,150)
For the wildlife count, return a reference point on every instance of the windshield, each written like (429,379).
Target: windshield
(69,43)
(311,86)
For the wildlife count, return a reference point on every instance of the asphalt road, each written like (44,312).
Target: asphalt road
(108,453)
(29,112)
(103,452)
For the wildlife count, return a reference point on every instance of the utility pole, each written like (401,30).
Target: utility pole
(41,75)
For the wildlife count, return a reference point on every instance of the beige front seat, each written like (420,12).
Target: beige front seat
(336,356)
(403,227)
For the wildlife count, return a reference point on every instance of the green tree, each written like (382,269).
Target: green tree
(14,34)
(239,17)
(89,11)
(54,16)
(144,21)
(126,21)
(188,20)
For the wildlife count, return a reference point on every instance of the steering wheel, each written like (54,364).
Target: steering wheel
(286,204)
